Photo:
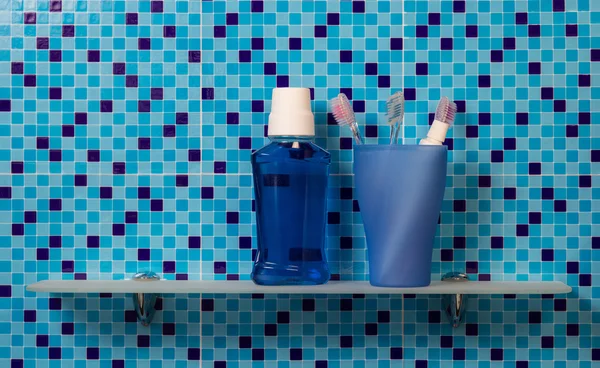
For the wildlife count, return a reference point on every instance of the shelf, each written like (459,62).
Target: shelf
(146,287)
(333,287)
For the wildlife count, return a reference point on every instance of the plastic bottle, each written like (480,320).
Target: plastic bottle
(290,187)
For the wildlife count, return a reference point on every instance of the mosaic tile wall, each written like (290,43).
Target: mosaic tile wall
(126,129)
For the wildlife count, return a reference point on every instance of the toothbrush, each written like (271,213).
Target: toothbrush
(395,108)
(344,115)
(444,117)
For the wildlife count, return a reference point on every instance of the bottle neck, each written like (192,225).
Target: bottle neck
(286,138)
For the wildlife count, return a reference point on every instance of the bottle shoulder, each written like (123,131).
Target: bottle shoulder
(288,150)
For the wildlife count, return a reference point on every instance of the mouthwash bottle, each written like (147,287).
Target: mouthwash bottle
(290,188)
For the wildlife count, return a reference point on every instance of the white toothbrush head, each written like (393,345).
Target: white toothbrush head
(342,110)
(395,108)
(446,111)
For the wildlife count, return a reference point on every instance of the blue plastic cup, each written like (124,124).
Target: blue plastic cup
(400,189)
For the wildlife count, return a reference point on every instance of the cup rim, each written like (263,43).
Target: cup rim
(398,147)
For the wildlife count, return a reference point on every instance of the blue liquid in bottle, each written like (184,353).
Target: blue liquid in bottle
(290,186)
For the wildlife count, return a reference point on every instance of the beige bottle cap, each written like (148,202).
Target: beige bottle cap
(291,114)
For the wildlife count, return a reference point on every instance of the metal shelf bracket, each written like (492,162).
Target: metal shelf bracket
(144,303)
(455,305)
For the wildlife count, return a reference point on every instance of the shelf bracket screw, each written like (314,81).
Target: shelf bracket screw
(455,305)
(144,303)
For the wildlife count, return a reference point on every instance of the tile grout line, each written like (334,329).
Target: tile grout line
(200,270)
(403,137)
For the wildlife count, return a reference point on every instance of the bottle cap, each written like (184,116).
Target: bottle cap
(291,114)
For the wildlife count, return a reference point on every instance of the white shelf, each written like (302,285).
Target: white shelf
(333,287)
(453,292)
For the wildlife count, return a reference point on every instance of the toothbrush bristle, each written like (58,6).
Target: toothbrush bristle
(342,110)
(395,108)
(446,111)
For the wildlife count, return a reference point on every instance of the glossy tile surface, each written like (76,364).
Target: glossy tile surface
(126,129)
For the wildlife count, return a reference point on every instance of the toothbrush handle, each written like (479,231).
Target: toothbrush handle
(393,133)
(356,134)
(396,133)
